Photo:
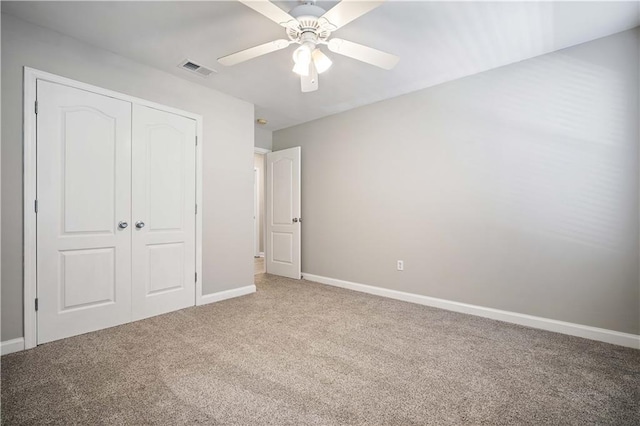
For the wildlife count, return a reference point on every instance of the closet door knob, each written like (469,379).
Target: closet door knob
(122,224)
(139,224)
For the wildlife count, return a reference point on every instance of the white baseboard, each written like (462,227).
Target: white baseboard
(226,294)
(585,331)
(13,345)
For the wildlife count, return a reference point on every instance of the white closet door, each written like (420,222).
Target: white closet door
(283,213)
(83,181)
(163,215)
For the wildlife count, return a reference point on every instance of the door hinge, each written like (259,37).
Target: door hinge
(196,141)
(196,209)
(36,107)
(196,277)
(36,303)
(35,206)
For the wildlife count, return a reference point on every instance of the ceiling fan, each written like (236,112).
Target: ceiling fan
(310,26)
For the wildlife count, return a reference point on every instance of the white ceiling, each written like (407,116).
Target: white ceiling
(436,41)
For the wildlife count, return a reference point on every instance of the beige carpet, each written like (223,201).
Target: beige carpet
(302,353)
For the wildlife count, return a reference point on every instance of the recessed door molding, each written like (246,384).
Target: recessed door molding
(31,76)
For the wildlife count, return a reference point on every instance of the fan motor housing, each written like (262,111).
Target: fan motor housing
(307,27)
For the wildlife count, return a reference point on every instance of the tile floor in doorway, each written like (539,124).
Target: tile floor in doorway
(259,265)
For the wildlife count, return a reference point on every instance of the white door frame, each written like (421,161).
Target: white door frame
(31,75)
(256,213)
(264,152)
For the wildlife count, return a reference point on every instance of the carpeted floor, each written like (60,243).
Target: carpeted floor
(302,353)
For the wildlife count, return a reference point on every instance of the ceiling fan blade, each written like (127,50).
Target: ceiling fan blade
(309,83)
(346,11)
(363,53)
(269,10)
(253,52)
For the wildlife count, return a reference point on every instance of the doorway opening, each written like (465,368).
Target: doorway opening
(279,215)
(259,172)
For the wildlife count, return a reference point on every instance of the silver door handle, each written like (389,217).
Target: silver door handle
(139,224)
(122,224)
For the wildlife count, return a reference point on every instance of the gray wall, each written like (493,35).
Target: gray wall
(263,138)
(515,189)
(227,153)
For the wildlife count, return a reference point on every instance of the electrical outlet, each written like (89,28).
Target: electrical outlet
(400,265)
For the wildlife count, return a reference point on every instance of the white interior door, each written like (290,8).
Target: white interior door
(283,213)
(84,189)
(164,212)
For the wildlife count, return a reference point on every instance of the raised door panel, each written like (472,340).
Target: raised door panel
(166,177)
(84,190)
(88,170)
(164,200)
(87,278)
(282,247)
(166,268)
(282,184)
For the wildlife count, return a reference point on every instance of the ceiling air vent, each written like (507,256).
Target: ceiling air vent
(191,66)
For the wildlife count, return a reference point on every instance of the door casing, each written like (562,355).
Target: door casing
(263,220)
(31,76)
(256,213)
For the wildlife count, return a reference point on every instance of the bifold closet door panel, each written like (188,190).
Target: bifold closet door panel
(84,201)
(163,213)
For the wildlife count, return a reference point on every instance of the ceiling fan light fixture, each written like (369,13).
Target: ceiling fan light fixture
(302,59)
(321,61)
(309,26)
(301,68)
